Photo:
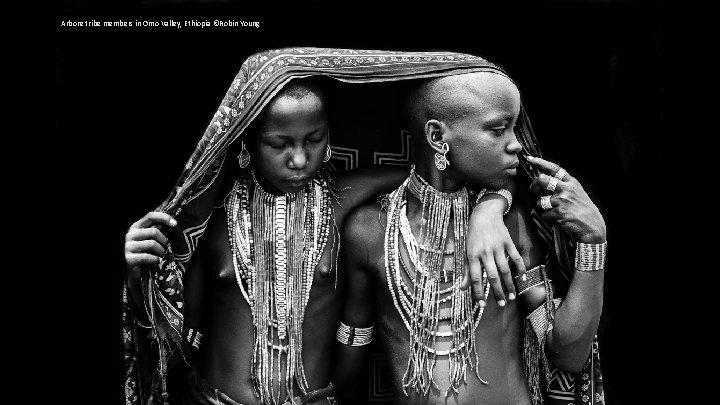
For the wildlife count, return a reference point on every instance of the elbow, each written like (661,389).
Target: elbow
(568,356)
(569,365)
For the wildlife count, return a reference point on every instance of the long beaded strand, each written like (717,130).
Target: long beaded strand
(421,310)
(290,233)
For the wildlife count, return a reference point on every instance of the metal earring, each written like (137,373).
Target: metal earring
(441,161)
(243,157)
(328,153)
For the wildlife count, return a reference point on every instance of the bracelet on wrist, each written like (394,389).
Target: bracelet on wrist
(590,257)
(506,194)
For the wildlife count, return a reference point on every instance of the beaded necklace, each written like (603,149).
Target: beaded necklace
(432,297)
(276,243)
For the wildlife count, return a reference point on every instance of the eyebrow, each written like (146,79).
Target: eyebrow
(286,137)
(500,119)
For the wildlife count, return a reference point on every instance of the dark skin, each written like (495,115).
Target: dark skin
(486,154)
(498,335)
(286,152)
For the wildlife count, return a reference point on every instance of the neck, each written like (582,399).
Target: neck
(436,179)
(439,180)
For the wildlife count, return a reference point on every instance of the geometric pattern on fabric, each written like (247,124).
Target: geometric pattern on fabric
(397,159)
(381,389)
(355,144)
(561,385)
(192,236)
(343,158)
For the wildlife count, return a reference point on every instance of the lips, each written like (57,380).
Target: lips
(514,165)
(298,181)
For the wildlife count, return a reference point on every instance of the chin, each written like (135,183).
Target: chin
(291,189)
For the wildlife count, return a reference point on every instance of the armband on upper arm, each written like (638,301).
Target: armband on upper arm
(352,336)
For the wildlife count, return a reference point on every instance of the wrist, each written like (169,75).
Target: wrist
(592,238)
(501,199)
(590,256)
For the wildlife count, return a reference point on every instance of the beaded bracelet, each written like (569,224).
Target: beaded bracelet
(501,192)
(533,277)
(352,336)
(590,257)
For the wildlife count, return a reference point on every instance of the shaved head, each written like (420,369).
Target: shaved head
(452,98)
(470,120)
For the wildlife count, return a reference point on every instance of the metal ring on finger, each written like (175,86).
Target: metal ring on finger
(545,202)
(560,175)
(552,184)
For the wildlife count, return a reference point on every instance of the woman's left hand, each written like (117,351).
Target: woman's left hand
(569,205)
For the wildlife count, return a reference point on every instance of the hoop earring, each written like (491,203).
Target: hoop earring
(243,157)
(441,161)
(328,153)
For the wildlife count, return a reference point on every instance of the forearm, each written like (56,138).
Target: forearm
(348,361)
(354,333)
(576,321)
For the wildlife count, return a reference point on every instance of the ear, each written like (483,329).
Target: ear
(435,133)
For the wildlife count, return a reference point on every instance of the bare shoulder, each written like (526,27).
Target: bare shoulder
(363,231)
(358,186)
(364,222)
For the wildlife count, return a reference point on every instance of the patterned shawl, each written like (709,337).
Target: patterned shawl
(151,352)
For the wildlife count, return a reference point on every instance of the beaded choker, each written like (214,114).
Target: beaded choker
(276,243)
(430,297)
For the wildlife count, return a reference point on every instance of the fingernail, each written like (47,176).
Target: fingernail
(511,296)
(482,303)
(501,303)
(524,277)
(173,222)
(529,157)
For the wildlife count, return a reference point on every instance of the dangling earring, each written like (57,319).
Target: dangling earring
(243,157)
(441,161)
(328,153)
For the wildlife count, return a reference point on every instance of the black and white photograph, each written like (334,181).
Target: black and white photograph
(360,202)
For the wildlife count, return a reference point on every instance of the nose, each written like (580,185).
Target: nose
(298,159)
(514,146)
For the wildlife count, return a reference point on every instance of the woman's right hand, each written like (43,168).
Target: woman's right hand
(144,243)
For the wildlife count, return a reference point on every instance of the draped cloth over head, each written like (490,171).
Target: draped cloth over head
(151,351)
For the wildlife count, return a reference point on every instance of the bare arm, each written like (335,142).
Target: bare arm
(359,304)
(490,247)
(576,321)
(488,244)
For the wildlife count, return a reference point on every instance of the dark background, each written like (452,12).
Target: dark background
(131,103)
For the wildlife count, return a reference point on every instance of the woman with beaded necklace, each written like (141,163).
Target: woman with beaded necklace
(444,347)
(252,305)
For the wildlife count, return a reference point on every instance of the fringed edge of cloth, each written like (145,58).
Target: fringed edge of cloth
(536,326)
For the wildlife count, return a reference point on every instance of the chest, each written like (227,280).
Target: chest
(224,266)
